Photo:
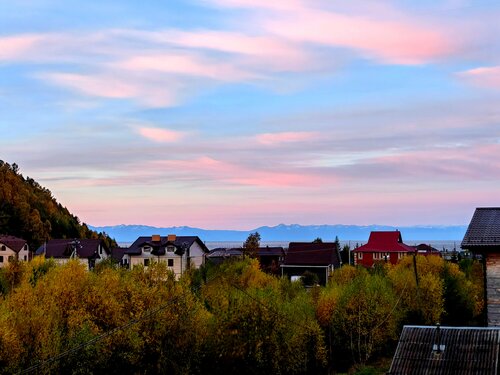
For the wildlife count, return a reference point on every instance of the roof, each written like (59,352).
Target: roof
(13,243)
(180,241)
(426,248)
(225,253)
(385,241)
(270,251)
(484,228)
(117,253)
(63,248)
(464,350)
(313,254)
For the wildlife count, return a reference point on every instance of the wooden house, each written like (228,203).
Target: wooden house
(382,246)
(319,258)
(483,238)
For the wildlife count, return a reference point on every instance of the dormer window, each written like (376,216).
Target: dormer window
(26,247)
(146,249)
(3,248)
(170,249)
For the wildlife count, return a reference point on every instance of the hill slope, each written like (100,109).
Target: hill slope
(29,211)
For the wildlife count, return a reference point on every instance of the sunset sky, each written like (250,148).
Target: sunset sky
(239,113)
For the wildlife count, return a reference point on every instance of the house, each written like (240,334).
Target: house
(179,252)
(220,254)
(87,251)
(424,249)
(12,248)
(117,254)
(319,258)
(446,350)
(382,246)
(271,258)
(483,238)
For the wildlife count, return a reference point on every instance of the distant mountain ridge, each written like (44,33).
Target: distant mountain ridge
(282,232)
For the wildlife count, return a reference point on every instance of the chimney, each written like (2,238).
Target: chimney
(155,238)
(171,238)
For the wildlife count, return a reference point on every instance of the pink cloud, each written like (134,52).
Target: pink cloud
(224,172)
(285,137)
(185,65)
(383,34)
(113,86)
(15,47)
(161,135)
(390,41)
(483,76)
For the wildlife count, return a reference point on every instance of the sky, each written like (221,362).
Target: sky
(232,114)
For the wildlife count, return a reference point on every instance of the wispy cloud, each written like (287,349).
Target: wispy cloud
(285,137)
(161,135)
(483,76)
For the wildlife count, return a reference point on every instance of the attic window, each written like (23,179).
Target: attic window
(146,249)
(3,247)
(26,247)
(170,249)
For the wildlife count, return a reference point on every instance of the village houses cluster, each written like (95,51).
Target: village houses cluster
(182,252)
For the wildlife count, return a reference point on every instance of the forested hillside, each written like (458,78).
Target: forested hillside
(28,210)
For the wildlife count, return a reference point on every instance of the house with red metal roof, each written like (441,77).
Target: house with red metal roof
(12,248)
(382,246)
(319,258)
(87,251)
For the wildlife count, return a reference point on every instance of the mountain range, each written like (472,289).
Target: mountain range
(282,232)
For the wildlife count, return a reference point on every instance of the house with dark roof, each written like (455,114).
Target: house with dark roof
(220,254)
(483,237)
(179,252)
(87,251)
(319,258)
(425,249)
(12,248)
(424,350)
(271,258)
(117,254)
(382,246)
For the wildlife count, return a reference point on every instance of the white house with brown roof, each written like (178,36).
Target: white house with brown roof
(12,248)
(178,252)
(87,251)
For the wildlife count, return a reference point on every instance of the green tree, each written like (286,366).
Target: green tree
(252,244)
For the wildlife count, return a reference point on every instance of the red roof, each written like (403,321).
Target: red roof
(385,242)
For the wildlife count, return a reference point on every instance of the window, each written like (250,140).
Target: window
(26,247)
(146,249)
(25,258)
(146,262)
(171,249)
(360,255)
(1,259)
(3,248)
(170,262)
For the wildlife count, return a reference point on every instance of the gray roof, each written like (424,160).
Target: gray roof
(180,241)
(464,350)
(484,229)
